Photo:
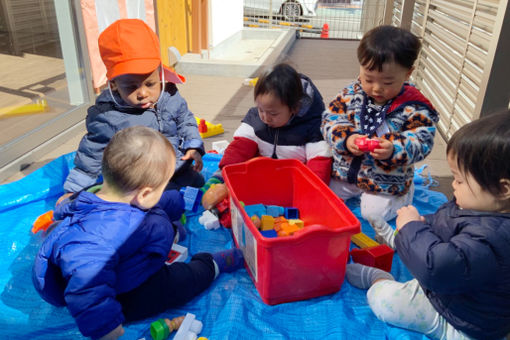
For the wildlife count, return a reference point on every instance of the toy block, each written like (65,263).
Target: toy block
(256,221)
(178,253)
(365,144)
(371,253)
(14,110)
(274,210)
(278,221)
(191,198)
(220,146)
(43,222)
(297,222)
(380,256)
(207,129)
(363,241)
(287,229)
(266,222)
(255,209)
(291,213)
(189,329)
(209,220)
(271,233)
(223,206)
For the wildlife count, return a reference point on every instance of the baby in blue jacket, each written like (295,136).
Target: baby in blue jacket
(141,91)
(105,261)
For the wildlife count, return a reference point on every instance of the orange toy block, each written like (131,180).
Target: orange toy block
(43,222)
(287,229)
(266,222)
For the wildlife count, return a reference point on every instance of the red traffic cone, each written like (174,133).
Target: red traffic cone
(325,31)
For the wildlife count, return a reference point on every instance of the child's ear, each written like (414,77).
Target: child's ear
(140,198)
(113,85)
(505,188)
(408,75)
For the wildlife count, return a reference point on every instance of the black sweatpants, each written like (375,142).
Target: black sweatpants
(171,286)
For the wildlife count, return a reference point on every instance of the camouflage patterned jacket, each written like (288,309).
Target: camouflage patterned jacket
(411,122)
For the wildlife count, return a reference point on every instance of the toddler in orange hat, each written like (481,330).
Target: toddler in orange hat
(141,91)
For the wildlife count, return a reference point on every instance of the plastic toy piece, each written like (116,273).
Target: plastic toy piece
(366,144)
(297,222)
(161,329)
(209,220)
(251,81)
(223,209)
(191,198)
(207,129)
(189,329)
(363,241)
(255,209)
(371,253)
(271,233)
(178,253)
(287,229)
(291,213)
(256,221)
(380,256)
(214,195)
(36,107)
(220,146)
(43,222)
(266,222)
(275,210)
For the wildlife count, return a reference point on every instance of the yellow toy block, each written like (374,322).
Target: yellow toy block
(297,222)
(266,222)
(207,129)
(363,241)
(36,107)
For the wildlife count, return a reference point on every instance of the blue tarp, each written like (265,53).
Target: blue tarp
(230,308)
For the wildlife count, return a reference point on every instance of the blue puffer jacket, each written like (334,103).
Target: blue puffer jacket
(171,117)
(99,250)
(461,258)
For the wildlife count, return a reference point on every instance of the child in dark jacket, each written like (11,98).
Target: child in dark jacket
(141,91)
(459,256)
(284,124)
(105,261)
(382,106)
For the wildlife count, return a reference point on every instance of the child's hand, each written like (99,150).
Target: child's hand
(195,155)
(406,215)
(115,334)
(351,146)
(63,197)
(384,150)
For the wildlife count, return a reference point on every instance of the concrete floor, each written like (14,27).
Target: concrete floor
(331,64)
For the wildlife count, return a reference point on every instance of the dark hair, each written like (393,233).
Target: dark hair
(386,44)
(137,157)
(282,81)
(482,149)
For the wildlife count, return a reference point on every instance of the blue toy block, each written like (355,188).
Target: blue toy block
(274,210)
(255,209)
(291,213)
(269,233)
(192,197)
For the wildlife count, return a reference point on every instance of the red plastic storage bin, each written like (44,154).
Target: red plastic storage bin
(309,263)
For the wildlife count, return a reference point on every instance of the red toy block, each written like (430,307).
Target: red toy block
(380,256)
(366,144)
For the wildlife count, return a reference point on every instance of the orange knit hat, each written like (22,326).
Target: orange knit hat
(130,46)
